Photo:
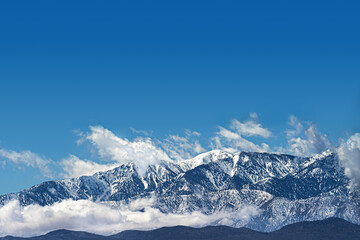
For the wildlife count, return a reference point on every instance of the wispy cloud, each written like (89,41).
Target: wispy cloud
(28,159)
(183,147)
(143,132)
(234,140)
(296,125)
(305,142)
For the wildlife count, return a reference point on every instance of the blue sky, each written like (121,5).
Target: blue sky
(166,68)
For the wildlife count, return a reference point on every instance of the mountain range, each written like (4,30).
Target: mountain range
(283,189)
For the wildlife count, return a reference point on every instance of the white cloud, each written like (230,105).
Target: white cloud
(228,134)
(182,148)
(312,143)
(349,154)
(250,128)
(75,167)
(28,159)
(141,151)
(234,141)
(85,215)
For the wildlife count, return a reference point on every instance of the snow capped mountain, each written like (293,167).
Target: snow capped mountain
(284,188)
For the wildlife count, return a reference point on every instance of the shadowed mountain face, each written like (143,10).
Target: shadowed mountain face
(285,189)
(329,229)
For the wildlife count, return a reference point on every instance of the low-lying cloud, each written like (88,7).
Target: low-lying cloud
(85,215)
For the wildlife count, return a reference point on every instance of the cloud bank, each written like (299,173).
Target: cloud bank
(85,215)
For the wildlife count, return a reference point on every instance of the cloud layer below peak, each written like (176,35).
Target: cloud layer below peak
(85,215)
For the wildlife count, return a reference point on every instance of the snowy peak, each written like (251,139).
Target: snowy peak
(204,158)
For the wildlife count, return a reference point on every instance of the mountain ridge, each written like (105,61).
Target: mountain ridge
(329,229)
(284,188)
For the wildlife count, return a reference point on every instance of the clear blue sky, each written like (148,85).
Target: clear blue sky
(169,66)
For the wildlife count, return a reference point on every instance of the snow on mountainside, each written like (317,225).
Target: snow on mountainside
(285,189)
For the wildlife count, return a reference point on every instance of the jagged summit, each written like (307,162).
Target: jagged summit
(285,188)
